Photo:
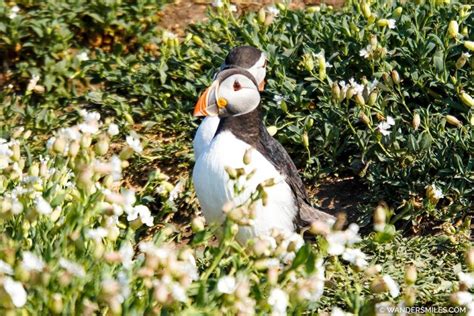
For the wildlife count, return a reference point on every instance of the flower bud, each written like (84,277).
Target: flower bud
(350,93)
(309,123)
(453,29)
(128,118)
(461,61)
(197,224)
(453,120)
(231,172)
(415,123)
(322,66)
(410,274)
(308,62)
(469,45)
(16,152)
(395,77)
(466,98)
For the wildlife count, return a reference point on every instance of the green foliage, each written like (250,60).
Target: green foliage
(61,204)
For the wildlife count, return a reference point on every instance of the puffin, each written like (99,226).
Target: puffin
(234,98)
(247,57)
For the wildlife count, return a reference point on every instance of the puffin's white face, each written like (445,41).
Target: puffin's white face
(259,71)
(233,93)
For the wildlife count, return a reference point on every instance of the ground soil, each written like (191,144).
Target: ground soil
(177,15)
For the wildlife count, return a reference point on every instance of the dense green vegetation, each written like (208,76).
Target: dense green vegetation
(97,210)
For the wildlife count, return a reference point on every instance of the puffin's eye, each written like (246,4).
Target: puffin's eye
(237,86)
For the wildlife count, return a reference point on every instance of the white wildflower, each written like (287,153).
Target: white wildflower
(278,299)
(5,268)
(217,4)
(113,129)
(82,56)
(116,167)
(72,267)
(463,298)
(134,143)
(366,52)
(356,257)
(391,23)
(336,311)
(233,8)
(32,262)
(278,98)
(384,127)
(466,278)
(391,285)
(226,285)
(466,55)
(178,292)
(16,291)
(96,234)
(167,35)
(42,206)
(33,82)
(91,122)
(273,10)
(437,193)
(338,240)
(14,12)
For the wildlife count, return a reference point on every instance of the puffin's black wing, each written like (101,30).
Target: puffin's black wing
(274,152)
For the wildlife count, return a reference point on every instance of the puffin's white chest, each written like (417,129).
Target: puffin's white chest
(204,134)
(214,189)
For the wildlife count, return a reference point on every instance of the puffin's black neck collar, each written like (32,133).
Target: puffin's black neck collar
(245,127)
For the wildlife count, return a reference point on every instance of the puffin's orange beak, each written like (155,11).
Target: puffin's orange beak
(201,105)
(207,105)
(261,86)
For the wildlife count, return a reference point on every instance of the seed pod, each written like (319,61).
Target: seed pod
(453,120)
(398,12)
(470,259)
(74,147)
(410,274)
(309,123)
(86,140)
(415,123)
(308,62)
(364,118)
(465,31)
(284,106)
(102,145)
(469,45)
(322,66)
(264,196)
(231,172)
(336,91)
(380,217)
(197,40)
(350,93)
(382,22)
(197,224)
(373,97)
(453,29)
(261,16)
(409,296)
(305,140)
(395,77)
(16,153)
(272,130)
(59,145)
(248,156)
(466,98)
(365,7)
(360,99)
(461,61)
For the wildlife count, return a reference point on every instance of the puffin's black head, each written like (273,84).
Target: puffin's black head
(249,58)
(234,92)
